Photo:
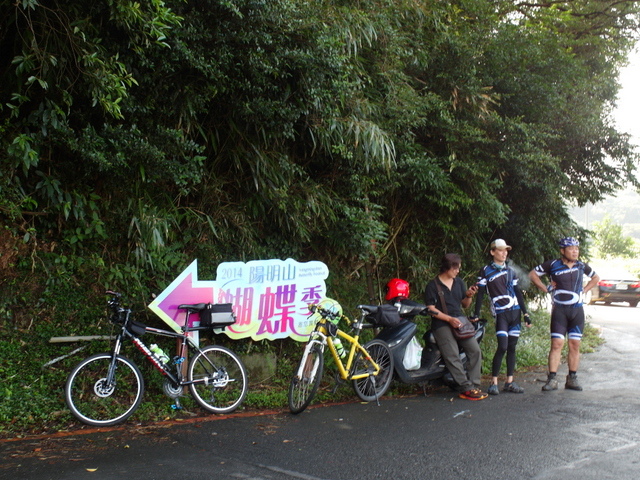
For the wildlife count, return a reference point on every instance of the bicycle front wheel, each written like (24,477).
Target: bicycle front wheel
(305,382)
(225,379)
(374,386)
(95,400)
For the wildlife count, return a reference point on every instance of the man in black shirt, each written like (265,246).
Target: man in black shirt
(456,296)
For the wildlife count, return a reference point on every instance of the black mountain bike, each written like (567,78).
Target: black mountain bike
(106,388)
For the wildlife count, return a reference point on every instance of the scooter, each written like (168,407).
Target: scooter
(432,366)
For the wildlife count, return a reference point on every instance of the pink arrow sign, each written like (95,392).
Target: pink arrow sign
(269,297)
(185,289)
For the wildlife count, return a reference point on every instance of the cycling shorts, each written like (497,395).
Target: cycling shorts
(567,321)
(508,323)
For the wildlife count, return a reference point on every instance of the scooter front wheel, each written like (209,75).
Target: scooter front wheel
(374,386)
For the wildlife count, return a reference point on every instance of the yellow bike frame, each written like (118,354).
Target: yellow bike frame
(355,347)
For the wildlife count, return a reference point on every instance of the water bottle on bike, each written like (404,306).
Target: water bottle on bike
(158,352)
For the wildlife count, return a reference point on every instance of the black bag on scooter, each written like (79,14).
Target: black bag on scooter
(386,316)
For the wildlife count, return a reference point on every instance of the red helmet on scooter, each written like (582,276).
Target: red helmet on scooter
(397,288)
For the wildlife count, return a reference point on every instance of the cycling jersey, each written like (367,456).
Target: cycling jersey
(501,283)
(567,280)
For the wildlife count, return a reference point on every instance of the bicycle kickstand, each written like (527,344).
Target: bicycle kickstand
(373,379)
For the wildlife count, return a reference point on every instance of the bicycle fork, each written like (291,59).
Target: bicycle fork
(110,380)
(306,371)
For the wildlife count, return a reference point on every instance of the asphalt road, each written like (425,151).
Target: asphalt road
(564,434)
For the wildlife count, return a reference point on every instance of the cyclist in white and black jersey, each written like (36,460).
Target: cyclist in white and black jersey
(567,315)
(500,282)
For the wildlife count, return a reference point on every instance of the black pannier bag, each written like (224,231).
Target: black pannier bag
(386,316)
(217,315)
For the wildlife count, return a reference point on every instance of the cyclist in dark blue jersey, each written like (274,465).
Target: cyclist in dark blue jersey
(500,282)
(567,315)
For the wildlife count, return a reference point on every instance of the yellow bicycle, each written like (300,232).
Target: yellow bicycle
(368,366)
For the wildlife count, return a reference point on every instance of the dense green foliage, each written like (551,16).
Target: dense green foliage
(372,135)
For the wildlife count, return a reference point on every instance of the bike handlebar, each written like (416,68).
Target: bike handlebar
(119,313)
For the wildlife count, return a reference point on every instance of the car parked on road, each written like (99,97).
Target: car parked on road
(617,290)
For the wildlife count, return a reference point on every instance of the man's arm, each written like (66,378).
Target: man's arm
(535,279)
(440,315)
(481,291)
(471,291)
(592,283)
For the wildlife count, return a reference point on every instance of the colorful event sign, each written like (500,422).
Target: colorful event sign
(269,297)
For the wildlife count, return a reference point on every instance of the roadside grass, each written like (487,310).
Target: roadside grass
(32,394)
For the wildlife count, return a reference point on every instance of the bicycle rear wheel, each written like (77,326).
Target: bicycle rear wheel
(304,387)
(226,379)
(93,400)
(374,386)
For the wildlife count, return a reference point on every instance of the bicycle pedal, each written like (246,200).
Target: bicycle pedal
(339,381)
